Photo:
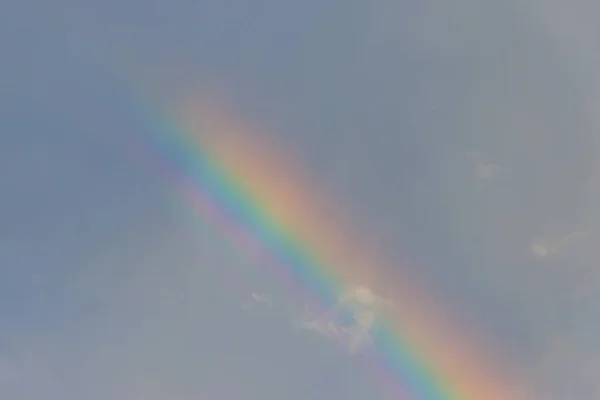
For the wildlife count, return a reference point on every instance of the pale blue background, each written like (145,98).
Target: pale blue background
(110,289)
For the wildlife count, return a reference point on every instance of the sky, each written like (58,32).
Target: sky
(461,135)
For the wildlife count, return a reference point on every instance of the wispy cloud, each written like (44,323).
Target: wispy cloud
(257,298)
(350,320)
(542,248)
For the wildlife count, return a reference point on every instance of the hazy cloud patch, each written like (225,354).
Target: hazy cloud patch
(544,248)
(350,320)
(257,298)
(484,170)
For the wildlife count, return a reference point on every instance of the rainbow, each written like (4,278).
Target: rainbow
(259,197)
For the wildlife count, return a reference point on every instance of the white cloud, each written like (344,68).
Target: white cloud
(258,298)
(350,320)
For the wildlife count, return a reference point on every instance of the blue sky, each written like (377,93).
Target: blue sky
(463,134)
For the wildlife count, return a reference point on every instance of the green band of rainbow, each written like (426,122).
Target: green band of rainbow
(236,183)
